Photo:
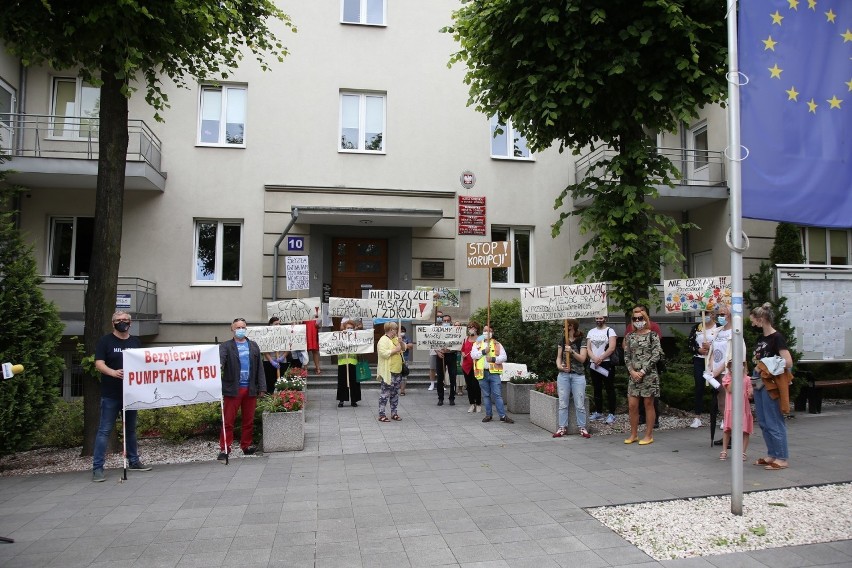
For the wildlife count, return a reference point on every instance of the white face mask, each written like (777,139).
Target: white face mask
(471,331)
(487,335)
(402,334)
(639,325)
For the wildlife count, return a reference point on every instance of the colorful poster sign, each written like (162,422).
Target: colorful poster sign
(272,338)
(440,337)
(545,303)
(157,377)
(338,342)
(443,297)
(297,272)
(294,310)
(694,294)
(489,255)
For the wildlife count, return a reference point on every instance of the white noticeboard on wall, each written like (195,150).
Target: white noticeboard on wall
(819,304)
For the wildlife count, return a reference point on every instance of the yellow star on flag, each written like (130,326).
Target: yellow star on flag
(775,72)
(830,15)
(849,84)
(793,94)
(812,106)
(847,36)
(812,5)
(776,18)
(834,102)
(769,43)
(794,4)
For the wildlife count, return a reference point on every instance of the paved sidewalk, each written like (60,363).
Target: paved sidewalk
(438,488)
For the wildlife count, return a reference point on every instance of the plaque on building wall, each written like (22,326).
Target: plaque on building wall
(431,269)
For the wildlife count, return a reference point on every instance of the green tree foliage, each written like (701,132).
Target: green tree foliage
(596,75)
(29,335)
(788,245)
(532,343)
(113,44)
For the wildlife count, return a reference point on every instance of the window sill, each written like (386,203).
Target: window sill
(367,152)
(511,286)
(366,24)
(217,284)
(513,158)
(207,145)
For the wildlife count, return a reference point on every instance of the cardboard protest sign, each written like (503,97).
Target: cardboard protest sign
(157,377)
(440,337)
(339,342)
(294,310)
(352,308)
(403,304)
(271,338)
(489,255)
(297,271)
(544,303)
(694,294)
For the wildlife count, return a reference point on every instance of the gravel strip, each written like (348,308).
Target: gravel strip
(687,528)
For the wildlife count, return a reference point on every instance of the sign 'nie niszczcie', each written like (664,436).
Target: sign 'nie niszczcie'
(544,303)
(415,305)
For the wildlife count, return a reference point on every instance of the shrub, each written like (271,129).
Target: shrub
(62,428)
(179,423)
(281,401)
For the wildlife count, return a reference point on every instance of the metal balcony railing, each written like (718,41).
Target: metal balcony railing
(695,167)
(76,137)
(135,295)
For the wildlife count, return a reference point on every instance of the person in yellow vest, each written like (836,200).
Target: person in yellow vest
(488,357)
(348,388)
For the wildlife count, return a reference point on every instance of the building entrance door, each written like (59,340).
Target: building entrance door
(357,262)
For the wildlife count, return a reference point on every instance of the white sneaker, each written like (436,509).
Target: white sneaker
(472,408)
(610,419)
(596,416)
(696,423)
(431,386)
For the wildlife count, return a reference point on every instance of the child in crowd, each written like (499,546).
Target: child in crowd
(748,422)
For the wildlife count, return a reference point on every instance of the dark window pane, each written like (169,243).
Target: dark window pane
(231,253)
(365,266)
(341,266)
(369,249)
(341,249)
(521,261)
(234,133)
(205,260)
(499,274)
(60,262)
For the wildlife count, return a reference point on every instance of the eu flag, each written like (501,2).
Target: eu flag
(796,111)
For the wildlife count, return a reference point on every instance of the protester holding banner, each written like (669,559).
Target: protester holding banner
(389,370)
(448,363)
(488,357)
(242,383)
(642,351)
(571,381)
(348,388)
(474,393)
(600,344)
(700,338)
(109,361)
(275,363)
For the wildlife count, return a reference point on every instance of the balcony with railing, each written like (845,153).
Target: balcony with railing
(137,296)
(700,177)
(50,151)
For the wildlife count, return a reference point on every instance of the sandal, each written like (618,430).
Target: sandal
(396,417)
(585,433)
(764,461)
(745,456)
(383,419)
(724,455)
(559,433)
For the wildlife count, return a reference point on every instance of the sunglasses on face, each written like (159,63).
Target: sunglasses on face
(640,318)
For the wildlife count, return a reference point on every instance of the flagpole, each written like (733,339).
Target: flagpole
(735,243)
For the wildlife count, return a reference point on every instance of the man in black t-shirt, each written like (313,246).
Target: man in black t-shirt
(109,360)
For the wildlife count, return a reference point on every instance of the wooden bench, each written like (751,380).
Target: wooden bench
(814,394)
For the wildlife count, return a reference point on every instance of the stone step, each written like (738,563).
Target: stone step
(418,377)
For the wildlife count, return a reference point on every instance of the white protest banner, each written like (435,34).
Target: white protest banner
(171,376)
(271,338)
(337,342)
(295,310)
(414,305)
(440,337)
(297,272)
(693,294)
(544,303)
(443,297)
(351,308)
(489,255)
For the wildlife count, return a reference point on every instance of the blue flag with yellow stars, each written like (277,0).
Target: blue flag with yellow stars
(796,111)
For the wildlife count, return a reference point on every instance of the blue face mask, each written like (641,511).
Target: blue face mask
(240,333)
(721,320)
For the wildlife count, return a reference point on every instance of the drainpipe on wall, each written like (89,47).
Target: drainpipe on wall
(294,216)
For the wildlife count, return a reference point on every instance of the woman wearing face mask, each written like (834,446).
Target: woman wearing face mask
(600,344)
(406,355)
(348,388)
(700,338)
(720,351)
(474,393)
(642,350)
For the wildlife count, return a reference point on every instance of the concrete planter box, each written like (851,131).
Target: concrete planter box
(284,431)
(544,412)
(518,398)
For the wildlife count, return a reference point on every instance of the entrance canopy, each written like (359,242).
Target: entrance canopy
(366,216)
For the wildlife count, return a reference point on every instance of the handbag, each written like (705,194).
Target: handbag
(617,356)
(362,371)
(405,370)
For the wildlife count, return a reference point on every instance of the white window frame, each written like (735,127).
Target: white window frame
(51,252)
(362,14)
(217,278)
(510,272)
(73,128)
(6,131)
(699,172)
(225,90)
(806,244)
(362,122)
(510,132)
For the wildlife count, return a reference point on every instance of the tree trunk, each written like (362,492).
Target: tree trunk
(106,245)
